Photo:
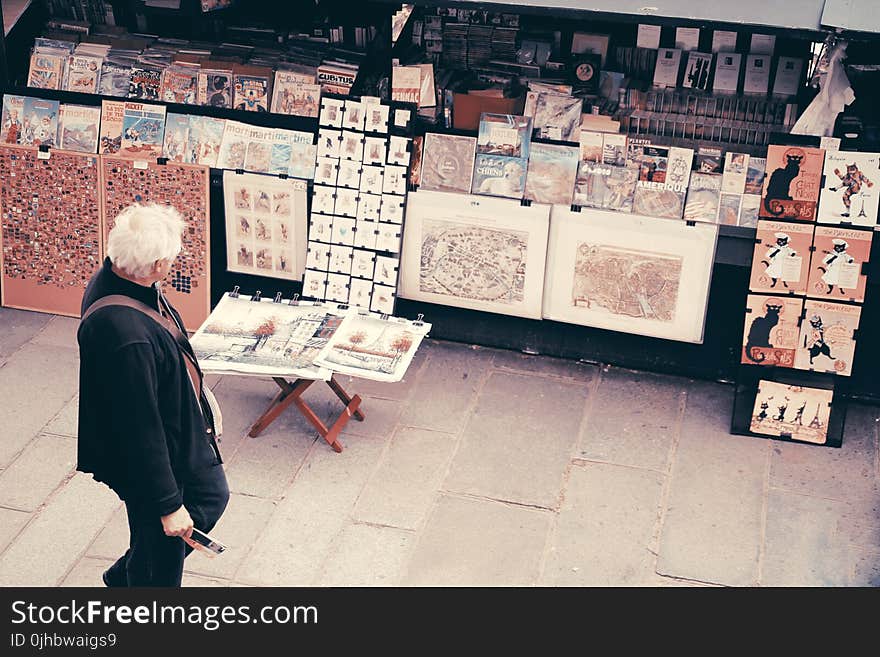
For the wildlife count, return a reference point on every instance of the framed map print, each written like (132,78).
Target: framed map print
(629,273)
(480,253)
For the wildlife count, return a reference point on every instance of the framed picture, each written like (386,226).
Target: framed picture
(484,254)
(629,273)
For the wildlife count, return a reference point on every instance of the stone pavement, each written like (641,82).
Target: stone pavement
(484,467)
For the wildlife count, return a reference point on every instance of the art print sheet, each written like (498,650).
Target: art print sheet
(448,163)
(186,188)
(770,335)
(483,254)
(605,186)
(781,260)
(558,117)
(795,412)
(51,228)
(629,273)
(836,270)
(266,225)
(827,342)
(265,337)
(849,194)
(792,183)
(369,347)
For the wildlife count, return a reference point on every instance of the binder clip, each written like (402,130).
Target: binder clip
(690,222)
(234,293)
(294,300)
(277,298)
(342,306)
(256,296)
(419,321)
(525,202)
(162,160)
(384,316)
(575,208)
(239,172)
(43,152)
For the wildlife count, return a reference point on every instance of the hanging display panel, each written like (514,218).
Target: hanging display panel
(266,225)
(837,270)
(629,273)
(480,253)
(828,337)
(781,259)
(51,226)
(186,188)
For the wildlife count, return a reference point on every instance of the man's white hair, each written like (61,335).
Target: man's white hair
(143,234)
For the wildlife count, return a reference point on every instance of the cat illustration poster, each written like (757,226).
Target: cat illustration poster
(771,330)
(849,195)
(782,257)
(795,412)
(836,270)
(792,182)
(827,342)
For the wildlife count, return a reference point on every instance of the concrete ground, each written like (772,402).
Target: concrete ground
(484,467)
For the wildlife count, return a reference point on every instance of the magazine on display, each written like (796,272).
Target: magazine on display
(46,70)
(39,126)
(204,139)
(605,186)
(143,131)
(78,128)
(551,173)
(82,73)
(13,115)
(112,112)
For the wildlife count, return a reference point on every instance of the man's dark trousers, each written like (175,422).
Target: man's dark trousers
(154,559)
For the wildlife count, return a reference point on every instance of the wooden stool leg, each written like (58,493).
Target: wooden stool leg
(346,399)
(289,394)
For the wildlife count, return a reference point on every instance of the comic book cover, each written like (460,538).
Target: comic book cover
(837,268)
(214,87)
(770,335)
(111,126)
(46,70)
(448,162)
(849,195)
(179,84)
(605,186)
(795,412)
(78,128)
(175,146)
(748,210)
(499,175)
(827,341)
(203,140)
(296,93)
(83,72)
(793,181)
(251,93)
(233,146)
(293,153)
(39,127)
(13,114)
(736,168)
(115,79)
(708,160)
(614,149)
(143,131)
(551,173)
(781,258)
(703,195)
(504,134)
(558,117)
(144,82)
(755,171)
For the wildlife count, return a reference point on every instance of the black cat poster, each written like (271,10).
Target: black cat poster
(771,332)
(795,412)
(792,183)
(781,261)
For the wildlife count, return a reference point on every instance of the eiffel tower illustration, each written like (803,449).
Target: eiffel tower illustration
(815,423)
(862,211)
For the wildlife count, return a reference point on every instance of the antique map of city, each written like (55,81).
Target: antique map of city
(472,262)
(626,282)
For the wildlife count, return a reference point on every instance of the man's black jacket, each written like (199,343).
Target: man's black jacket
(140,428)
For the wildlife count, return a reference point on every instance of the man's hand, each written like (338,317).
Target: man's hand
(178,523)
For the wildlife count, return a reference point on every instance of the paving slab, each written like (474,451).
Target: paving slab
(58,332)
(605,529)
(399,391)
(37,381)
(446,388)
(473,542)
(845,473)
(298,537)
(866,571)
(518,443)
(403,488)
(49,546)
(265,466)
(802,546)
(244,518)
(711,531)
(365,555)
(19,326)
(381,419)
(11,523)
(87,573)
(66,422)
(633,419)
(112,541)
(40,468)
(516,361)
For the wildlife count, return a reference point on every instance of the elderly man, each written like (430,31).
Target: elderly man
(146,423)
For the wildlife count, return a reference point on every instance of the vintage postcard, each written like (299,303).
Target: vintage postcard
(827,342)
(794,412)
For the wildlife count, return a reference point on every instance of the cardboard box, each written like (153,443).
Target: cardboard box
(466,108)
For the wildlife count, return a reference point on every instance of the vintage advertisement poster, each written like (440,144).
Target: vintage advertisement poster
(770,336)
(827,342)
(792,183)
(484,254)
(184,186)
(629,273)
(794,412)
(368,347)
(551,173)
(837,269)
(52,240)
(266,225)
(781,259)
(849,195)
(265,337)
(448,163)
